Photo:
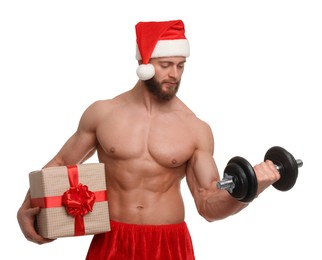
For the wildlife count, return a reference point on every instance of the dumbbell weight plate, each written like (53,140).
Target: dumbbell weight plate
(250,175)
(287,165)
(239,178)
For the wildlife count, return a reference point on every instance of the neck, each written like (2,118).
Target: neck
(151,102)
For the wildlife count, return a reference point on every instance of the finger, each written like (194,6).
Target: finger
(273,168)
(32,234)
(36,238)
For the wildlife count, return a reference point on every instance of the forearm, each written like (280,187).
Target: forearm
(220,205)
(26,202)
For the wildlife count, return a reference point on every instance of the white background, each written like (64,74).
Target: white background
(254,75)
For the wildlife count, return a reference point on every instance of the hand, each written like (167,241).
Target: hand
(266,174)
(26,219)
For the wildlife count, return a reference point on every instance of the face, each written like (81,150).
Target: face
(168,72)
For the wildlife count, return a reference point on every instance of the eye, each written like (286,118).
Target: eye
(164,65)
(181,65)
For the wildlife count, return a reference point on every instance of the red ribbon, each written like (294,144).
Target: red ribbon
(78,200)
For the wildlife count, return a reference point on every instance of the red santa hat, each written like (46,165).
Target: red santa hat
(159,39)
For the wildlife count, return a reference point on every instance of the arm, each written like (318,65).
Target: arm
(202,176)
(82,144)
(78,148)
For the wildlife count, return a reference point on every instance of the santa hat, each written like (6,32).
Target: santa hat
(159,39)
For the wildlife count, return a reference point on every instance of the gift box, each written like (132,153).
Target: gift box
(73,200)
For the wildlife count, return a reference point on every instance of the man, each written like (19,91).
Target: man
(149,141)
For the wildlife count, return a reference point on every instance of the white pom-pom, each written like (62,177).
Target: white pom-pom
(145,71)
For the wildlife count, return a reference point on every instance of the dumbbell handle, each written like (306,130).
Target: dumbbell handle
(298,161)
(227,183)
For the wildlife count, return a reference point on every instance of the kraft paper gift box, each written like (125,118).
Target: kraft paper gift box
(73,200)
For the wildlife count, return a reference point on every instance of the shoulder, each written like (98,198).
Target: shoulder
(199,130)
(198,125)
(97,111)
(103,107)
(203,136)
(97,108)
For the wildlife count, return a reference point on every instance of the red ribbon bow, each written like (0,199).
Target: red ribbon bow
(78,200)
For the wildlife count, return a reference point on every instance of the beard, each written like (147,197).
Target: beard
(155,87)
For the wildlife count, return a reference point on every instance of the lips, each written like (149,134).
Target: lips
(171,84)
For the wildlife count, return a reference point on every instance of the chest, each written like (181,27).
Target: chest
(166,140)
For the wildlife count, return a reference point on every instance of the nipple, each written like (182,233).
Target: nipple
(174,161)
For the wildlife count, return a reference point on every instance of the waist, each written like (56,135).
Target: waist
(147,227)
(146,208)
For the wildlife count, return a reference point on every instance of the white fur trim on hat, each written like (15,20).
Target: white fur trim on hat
(168,48)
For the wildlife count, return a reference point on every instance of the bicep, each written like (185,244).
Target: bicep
(202,171)
(79,147)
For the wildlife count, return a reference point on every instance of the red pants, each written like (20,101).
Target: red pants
(148,242)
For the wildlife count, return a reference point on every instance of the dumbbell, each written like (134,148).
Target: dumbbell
(240,179)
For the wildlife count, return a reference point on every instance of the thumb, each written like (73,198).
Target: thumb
(34,211)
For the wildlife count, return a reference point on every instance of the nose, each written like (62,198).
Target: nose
(173,72)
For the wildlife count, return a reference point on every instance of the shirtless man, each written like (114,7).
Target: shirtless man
(149,140)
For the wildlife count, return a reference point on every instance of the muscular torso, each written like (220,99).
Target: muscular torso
(145,156)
